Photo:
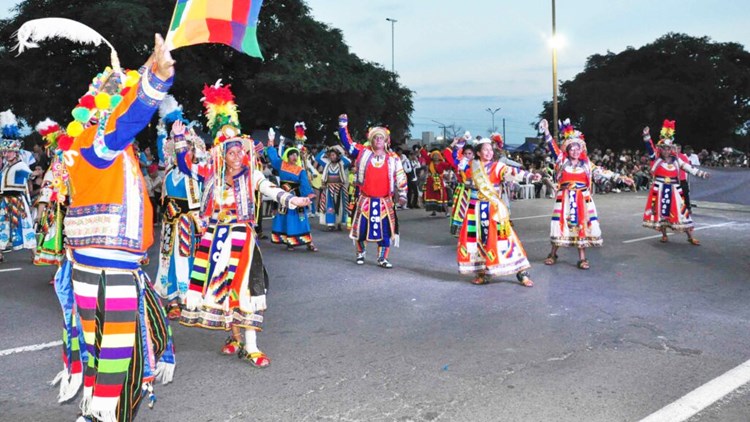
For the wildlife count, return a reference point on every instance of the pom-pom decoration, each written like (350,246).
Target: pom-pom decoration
(74,129)
(497,139)
(299,131)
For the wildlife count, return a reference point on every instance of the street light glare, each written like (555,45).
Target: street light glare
(557,41)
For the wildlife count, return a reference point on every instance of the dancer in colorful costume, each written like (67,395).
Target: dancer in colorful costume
(487,243)
(53,200)
(575,222)
(16,221)
(229,282)
(665,206)
(379,176)
(459,155)
(435,193)
(114,324)
(181,195)
(334,195)
(291,227)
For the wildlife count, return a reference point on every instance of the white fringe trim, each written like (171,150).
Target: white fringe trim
(396,240)
(69,385)
(164,372)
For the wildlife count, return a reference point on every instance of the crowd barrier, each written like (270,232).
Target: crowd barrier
(728,185)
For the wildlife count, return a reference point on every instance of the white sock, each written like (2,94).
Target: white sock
(251,341)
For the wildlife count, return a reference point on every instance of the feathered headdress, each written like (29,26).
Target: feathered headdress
(221,110)
(10,132)
(570,136)
(666,135)
(170,111)
(299,132)
(57,141)
(106,89)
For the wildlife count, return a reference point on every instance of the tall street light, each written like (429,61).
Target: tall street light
(393,44)
(492,112)
(555,43)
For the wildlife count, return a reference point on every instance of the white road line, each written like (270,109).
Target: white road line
(670,233)
(33,348)
(533,216)
(5,270)
(703,396)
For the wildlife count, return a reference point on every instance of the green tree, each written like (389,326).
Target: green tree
(308,74)
(703,85)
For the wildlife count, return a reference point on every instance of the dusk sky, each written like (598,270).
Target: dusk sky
(461,58)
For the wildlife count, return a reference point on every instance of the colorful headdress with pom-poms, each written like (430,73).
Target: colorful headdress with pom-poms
(666,135)
(570,136)
(221,111)
(107,88)
(10,132)
(50,131)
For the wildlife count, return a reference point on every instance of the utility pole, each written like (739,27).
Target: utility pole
(503,129)
(442,126)
(393,44)
(554,74)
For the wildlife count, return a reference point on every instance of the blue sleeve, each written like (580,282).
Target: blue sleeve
(349,145)
(319,158)
(304,184)
(138,116)
(273,158)
(347,162)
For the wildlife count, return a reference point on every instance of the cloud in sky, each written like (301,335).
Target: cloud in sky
(461,57)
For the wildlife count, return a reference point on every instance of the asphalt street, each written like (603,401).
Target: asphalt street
(646,325)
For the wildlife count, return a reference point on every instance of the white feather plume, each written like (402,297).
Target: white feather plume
(36,30)
(7,118)
(168,105)
(45,124)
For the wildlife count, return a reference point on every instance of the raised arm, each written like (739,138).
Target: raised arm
(552,146)
(135,110)
(351,147)
(649,144)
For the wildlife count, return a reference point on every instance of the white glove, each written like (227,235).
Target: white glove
(271,134)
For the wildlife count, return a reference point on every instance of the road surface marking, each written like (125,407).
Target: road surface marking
(33,348)
(702,397)
(9,269)
(533,216)
(671,233)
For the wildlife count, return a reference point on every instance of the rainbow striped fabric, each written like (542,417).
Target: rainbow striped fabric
(230,22)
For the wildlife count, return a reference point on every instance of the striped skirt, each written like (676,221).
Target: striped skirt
(126,339)
(574,220)
(229,272)
(486,246)
(666,208)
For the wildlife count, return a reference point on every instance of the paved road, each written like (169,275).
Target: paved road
(646,325)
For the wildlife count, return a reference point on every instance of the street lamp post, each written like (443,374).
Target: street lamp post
(492,112)
(554,73)
(393,44)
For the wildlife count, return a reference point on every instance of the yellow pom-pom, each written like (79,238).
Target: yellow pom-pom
(131,78)
(102,101)
(74,128)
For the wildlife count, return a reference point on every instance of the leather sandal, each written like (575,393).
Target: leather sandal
(312,248)
(257,359)
(583,264)
(664,239)
(527,282)
(551,260)
(479,280)
(174,312)
(232,346)
(693,241)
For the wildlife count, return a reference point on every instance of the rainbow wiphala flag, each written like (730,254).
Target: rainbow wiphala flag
(230,22)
